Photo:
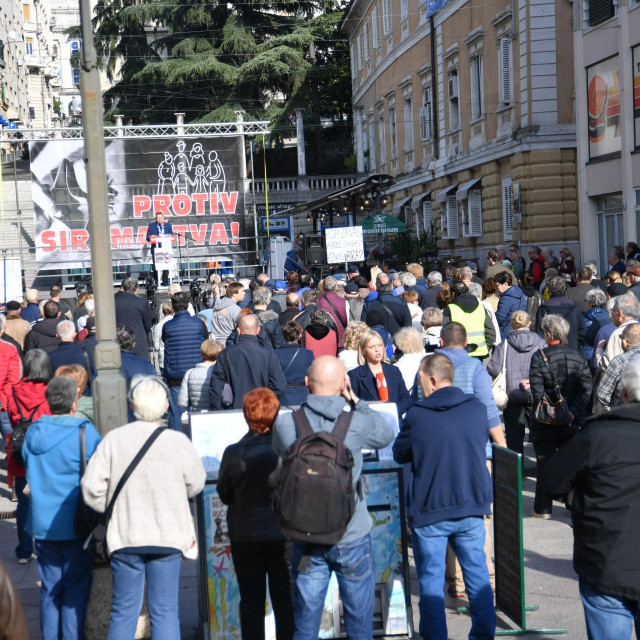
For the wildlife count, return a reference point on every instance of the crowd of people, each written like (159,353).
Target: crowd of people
(543,350)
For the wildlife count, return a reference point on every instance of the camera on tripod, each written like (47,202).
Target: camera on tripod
(151,287)
(84,285)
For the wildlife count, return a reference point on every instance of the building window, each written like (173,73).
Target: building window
(404,10)
(394,132)
(387,23)
(2,50)
(372,145)
(360,65)
(354,61)
(472,214)
(425,115)
(26,11)
(449,219)
(367,42)
(408,124)
(477,88)
(28,46)
(427,216)
(504,71)
(55,50)
(610,227)
(382,135)
(454,101)
(75,75)
(375,27)
(507,208)
(597,11)
(32,113)
(365,149)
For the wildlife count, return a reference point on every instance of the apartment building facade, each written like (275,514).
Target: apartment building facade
(607,71)
(470,108)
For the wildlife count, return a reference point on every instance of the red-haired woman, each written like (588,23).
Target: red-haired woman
(258,548)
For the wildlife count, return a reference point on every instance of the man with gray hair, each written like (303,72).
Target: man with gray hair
(597,471)
(69,352)
(427,298)
(578,293)
(625,311)
(336,306)
(394,310)
(561,305)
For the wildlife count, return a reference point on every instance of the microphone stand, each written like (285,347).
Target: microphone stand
(186,242)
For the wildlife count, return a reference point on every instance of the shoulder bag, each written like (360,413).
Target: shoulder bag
(91,526)
(499,384)
(548,412)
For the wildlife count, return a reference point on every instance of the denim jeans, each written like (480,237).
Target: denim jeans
(353,565)
(5,427)
(66,572)
(466,537)
(162,572)
(25,541)
(175,411)
(608,616)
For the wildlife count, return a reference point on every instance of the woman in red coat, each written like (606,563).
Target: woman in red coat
(27,401)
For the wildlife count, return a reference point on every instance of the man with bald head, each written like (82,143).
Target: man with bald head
(352,557)
(245,366)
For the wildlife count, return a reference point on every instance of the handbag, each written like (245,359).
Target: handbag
(91,526)
(499,384)
(548,412)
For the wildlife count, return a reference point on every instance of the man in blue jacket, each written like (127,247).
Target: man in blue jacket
(512,299)
(443,438)
(155,231)
(51,452)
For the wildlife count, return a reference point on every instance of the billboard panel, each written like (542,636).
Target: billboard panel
(196,182)
(636,94)
(603,95)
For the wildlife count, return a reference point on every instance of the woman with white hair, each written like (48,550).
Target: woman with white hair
(410,342)
(569,368)
(151,526)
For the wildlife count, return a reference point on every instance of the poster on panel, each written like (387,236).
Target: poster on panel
(195,182)
(636,94)
(603,95)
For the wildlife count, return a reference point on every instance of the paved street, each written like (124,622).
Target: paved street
(550,581)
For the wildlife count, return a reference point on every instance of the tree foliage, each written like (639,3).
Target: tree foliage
(208,58)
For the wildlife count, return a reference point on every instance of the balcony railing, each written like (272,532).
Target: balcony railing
(305,183)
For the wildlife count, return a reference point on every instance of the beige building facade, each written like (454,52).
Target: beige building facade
(471,110)
(607,70)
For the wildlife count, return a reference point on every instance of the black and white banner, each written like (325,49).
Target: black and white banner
(195,182)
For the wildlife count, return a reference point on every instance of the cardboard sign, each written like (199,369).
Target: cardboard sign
(344,244)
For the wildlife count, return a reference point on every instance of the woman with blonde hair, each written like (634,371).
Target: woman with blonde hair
(567,266)
(375,378)
(78,374)
(410,342)
(352,334)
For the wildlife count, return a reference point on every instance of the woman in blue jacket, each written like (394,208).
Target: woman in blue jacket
(295,362)
(375,378)
(512,299)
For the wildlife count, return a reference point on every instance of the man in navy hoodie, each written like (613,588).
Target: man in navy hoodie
(443,438)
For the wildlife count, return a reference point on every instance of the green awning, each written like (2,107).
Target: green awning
(382,223)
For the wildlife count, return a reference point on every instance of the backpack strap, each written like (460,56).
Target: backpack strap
(342,425)
(302,424)
(33,413)
(389,311)
(338,316)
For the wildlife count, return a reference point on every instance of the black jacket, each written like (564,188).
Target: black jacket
(602,466)
(570,311)
(427,298)
(573,376)
(43,335)
(243,484)
(135,313)
(245,365)
(394,321)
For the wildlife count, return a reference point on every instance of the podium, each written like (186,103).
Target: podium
(163,258)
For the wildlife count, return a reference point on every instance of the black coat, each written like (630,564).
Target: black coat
(428,297)
(363,383)
(573,376)
(602,466)
(135,313)
(245,365)
(399,317)
(295,371)
(570,311)
(43,335)
(243,484)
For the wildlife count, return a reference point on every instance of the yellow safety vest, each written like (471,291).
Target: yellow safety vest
(474,324)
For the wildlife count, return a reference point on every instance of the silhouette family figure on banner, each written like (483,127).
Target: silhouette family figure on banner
(190,173)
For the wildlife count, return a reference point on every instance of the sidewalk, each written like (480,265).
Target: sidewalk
(549,578)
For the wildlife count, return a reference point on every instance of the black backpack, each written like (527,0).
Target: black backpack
(20,431)
(315,498)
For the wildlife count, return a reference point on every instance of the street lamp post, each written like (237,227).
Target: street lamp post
(109,388)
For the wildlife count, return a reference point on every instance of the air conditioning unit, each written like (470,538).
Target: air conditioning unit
(453,86)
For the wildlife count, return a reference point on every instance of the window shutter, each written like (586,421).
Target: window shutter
(375,27)
(505,71)
(372,146)
(599,11)
(386,17)
(507,208)
(424,118)
(367,43)
(474,213)
(427,215)
(453,223)
(360,52)
(382,142)
(404,9)
(354,69)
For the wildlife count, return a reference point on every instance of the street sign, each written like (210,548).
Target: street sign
(344,244)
